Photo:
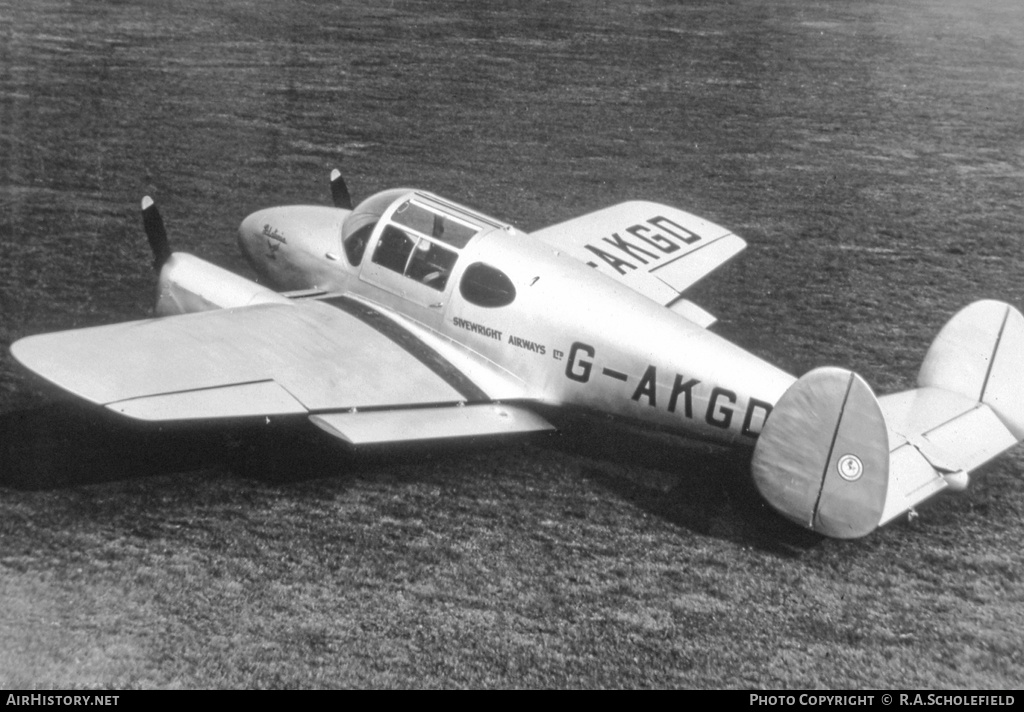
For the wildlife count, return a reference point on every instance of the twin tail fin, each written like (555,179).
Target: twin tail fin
(835,459)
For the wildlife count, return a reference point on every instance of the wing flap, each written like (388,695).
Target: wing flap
(656,250)
(374,427)
(688,310)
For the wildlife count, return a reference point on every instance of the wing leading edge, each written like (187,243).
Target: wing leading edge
(314,357)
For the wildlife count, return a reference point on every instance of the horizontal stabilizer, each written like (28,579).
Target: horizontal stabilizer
(936,434)
(418,424)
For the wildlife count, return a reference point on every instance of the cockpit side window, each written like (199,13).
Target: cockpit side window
(355,245)
(486,286)
(431,264)
(393,249)
(415,257)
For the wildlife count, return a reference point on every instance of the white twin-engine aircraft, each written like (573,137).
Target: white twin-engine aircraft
(413,318)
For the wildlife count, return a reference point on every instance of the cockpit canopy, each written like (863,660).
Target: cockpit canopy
(358,226)
(421,236)
(425,213)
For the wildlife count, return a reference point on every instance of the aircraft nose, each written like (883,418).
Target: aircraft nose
(254,234)
(291,239)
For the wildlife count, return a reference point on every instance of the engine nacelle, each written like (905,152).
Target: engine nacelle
(188,284)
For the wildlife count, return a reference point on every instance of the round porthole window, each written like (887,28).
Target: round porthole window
(486,286)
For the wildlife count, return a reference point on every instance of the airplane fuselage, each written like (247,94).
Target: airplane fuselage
(564,334)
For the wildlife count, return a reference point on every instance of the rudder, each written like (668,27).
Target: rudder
(822,459)
(978,353)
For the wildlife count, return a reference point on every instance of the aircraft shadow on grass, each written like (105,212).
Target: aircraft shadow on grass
(64,445)
(694,486)
(68,444)
(704,488)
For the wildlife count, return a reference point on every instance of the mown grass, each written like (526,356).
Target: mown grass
(523,565)
(868,152)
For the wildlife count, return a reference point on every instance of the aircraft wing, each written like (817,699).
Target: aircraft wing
(320,358)
(656,250)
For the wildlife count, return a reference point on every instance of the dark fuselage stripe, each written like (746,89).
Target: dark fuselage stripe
(411,345)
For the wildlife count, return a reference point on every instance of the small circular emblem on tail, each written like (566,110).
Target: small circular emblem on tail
(850,468)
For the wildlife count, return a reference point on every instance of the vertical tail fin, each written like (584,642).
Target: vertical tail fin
(979,353)
(836,460)
(822,459)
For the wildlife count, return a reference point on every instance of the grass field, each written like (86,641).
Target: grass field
(869,152)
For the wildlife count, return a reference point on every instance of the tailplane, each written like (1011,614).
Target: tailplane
(835,459)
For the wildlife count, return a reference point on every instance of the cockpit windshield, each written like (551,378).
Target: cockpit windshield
(356,230)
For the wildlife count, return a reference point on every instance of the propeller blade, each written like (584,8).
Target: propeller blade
(153,224)
(339,191)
